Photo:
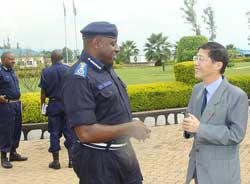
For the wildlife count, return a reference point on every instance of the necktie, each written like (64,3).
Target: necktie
(204,100)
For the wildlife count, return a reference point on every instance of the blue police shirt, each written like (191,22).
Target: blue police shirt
(9,85)
(93,93)
(51,80)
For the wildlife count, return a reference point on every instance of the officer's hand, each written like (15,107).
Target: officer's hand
(139,130)
(2,99)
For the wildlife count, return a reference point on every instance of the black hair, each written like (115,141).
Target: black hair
(217,52)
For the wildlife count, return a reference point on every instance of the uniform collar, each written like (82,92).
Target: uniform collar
(91,61)
(57,62)
(5,68)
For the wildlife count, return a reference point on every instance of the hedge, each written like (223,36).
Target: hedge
(184,72)
(142,97)
(242,81)
(154,96)
(28,73)
(243,59)
(31,108)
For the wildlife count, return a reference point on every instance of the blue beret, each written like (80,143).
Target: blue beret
(100,28)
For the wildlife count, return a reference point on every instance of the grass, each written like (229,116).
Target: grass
(141,75)
(239,69)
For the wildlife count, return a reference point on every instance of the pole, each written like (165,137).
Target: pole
(74,11)
(65,29)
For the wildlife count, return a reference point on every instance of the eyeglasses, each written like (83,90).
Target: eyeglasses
(198,58)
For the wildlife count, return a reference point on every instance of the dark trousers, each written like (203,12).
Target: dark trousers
(57,127)
(10,126)
(106,167)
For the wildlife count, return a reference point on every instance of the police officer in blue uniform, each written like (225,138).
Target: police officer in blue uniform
(51,85)
(98,110)
(10,112)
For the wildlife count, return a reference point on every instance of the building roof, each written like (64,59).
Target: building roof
(244,52)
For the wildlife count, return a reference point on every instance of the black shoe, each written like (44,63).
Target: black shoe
(55,165)
(70,164)
(6,164)
(17,157)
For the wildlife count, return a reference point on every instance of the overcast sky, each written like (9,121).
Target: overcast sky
(39,24)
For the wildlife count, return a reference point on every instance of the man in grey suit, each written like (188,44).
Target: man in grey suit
(217,119)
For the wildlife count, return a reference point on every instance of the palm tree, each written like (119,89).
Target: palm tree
(127,49)
(157,48)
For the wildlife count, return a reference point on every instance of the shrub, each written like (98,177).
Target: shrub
(243,59)
(31,108)
(116,65)
(184,72)
(243,81)
(142,97)
(187,47)
(155,96)
(28,73)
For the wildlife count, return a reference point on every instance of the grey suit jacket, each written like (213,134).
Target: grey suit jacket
(215,151)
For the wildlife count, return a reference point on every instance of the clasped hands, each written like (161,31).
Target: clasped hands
(190,123)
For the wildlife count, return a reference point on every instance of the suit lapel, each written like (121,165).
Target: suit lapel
(215,99)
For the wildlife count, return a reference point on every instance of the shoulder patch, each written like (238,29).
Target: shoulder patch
(81,70)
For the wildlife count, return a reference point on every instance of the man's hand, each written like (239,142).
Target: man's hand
(191,124)
(139,130)
(2,99)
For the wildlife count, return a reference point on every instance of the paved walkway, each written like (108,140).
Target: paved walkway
(163,160)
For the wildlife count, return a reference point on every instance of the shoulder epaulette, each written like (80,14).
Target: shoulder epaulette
(81,70)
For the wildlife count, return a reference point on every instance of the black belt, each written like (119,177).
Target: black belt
(54,99)
(103,146)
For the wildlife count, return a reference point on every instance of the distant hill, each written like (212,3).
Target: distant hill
(21,52)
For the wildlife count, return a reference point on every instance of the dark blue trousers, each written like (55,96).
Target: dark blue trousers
(10,126)
(57,126)
(106,167)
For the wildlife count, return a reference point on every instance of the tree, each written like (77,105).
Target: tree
(208,19)
(127,49)
(230,47)
(187,47)
(248,20)
(77,54)
(157,48)
(70,55)
(190,15)
(232,51)
(46,55)
(8,43)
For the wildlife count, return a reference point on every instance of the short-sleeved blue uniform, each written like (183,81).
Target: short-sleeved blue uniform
(93,93)
(10,112)
(51,82)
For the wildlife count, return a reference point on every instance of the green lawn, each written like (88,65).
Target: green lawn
(239,69)
(140,75)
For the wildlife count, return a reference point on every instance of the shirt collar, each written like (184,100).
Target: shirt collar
(57,62)
(5,68)
(211,88)
(91,61)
